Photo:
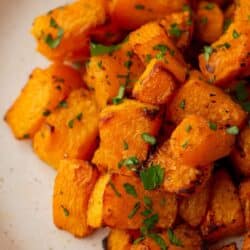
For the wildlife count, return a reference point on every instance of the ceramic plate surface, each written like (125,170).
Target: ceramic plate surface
(25,182)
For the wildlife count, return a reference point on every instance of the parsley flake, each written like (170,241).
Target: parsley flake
(149,138)
(233,130)
(130,189)
(135,209)
(173,239)
(159,241)
(121,92)
(99,49)
(212,125)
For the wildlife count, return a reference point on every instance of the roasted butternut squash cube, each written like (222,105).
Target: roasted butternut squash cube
(206,100)
(124,205)
(180,178)
(95,207)
(179,27)
(193,209)
(122,130)
(42,93)
(62,33)
(224,216)
(106,74)
(246,244)
(156,85)
(186,239)
(132,14)
(73,184)
(240,155)
(194,141)
(245,201)
(118,240)
(228,57)
(151,41)
(209,22)
(231,246)
(70,131)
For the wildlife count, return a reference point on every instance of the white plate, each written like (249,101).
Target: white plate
(25,182)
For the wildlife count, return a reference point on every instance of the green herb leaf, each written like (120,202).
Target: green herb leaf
(128,64)
(62,104)
(235,34)
(71,123)
(159,241)
(209,6)
(112,185)
(148,201)
(121,92)
(185,144)
(149,223)
(233,130)
(148,58)
(188,128)
(175,30)
(146,212)
(152,177)
(99,49)
(208,50)
(139,7)
(182,104)
(173,239)
(125,145)
(212,125)
(99,64)
(79,116)
(134,210)
(129,162)
(149,138)
(227,23)
(241,91)
(138,240)
(65,211)
(130,189)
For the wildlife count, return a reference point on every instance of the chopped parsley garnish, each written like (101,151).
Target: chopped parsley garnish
(125,145)
(235,34)
(99,49)
(139,7)
(146,212)
(71,123)
(227,23)
(65,211)
(46,112)
(182,104)
(224,45)
(148,58)
(112,185)
(54,42)
(233,130)
(212,125)
(79,116)
(208,50)
(129,162)
(62,104)
(241,91)
(209,6)
(159,241)
(130,189)
(149,138)
(148,201)
(175,30)
(128,64)
(134,210)
(152,177)
(138,240)
(185,144)
(188,128)
(99,64)
(121,92)
(149,223)
(173,239)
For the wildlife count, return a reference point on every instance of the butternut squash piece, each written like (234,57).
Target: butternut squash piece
(180,178)
(122,147)
(62,33)
(187,239)
(179,27)
(246,244)
(118,240)
(245,201)
(123,209)
(156,85)
(208,101)
(195,139)
(107,73)
(132,14)
(210,21)
(42,93)
(95,206)
(70,131)
(224,217)
(240,155)
(193,209)
(73,184)
(151,41)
